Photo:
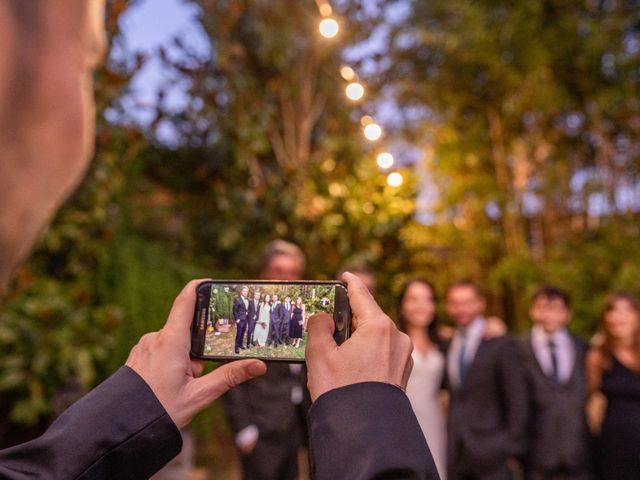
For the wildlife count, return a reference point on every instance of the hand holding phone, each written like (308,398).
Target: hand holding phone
(162,360)
(375,352)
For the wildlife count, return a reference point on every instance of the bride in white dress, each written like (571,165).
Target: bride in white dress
(417,318)
(261,329)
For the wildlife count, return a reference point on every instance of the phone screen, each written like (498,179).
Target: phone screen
(263,319)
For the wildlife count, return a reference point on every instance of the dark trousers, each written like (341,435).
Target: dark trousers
(274,333)
(241,328)
(284,331)
(252,326)
(273,459)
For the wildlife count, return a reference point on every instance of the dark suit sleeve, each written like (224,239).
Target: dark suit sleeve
(234,311)
(515,396)
(367,431)
(118,430)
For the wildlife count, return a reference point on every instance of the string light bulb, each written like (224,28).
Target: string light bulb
(347,73)
(385,160)
(354,91)
(373,132)
(394,179)
(325,9)
(329,27)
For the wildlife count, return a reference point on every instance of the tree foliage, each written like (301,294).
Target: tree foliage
(272,147)
(531,113)
(527,114)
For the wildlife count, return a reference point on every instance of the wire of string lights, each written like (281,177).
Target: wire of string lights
(355,91)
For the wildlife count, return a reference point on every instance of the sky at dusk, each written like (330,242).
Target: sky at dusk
(146,26)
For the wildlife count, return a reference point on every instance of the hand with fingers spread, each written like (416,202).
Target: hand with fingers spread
(376,351)
(162,360)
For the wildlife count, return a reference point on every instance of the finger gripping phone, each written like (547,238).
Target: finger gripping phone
(264,319)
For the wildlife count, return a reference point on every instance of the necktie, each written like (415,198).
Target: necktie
(462,361)
(554,360)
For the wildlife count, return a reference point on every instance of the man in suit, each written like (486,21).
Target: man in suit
(241,316)
(268,416)
(127,427)
(286,321)
(276,317)
(254,311)
(488,405)
(554,361)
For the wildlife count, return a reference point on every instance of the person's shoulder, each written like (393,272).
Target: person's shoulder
(594,358)
(522,340)
(504,344)
(500,340)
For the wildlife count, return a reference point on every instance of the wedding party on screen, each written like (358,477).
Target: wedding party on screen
(263,319)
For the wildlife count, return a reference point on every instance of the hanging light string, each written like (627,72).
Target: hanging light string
(355,92)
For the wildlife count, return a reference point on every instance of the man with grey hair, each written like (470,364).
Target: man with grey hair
(283,260)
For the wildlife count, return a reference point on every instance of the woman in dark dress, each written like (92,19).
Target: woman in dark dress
(613,368)
(297,320)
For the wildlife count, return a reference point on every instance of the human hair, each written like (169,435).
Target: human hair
(606,345)
(466,283)
(550,292)
(281,247)
(432,328)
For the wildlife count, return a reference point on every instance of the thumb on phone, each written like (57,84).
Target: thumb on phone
(320,341)
(207,388)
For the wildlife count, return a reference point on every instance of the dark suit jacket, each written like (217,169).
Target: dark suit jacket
(488,413)
(287,313)
(277,314)
(266,403)
(558,431)
(121,431)
(118,430)
(253,312)
(367,431)
(240,312)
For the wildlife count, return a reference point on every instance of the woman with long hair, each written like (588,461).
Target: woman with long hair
(613,372)
(261,330)
(417,317)
(297,321)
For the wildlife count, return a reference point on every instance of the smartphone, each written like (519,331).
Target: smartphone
(264,319)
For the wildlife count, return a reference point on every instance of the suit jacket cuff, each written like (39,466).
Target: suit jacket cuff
(118,430)
(367,430)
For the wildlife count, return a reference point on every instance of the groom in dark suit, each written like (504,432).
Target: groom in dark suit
(276,318)
(241,316)
(488,400)
(254,310)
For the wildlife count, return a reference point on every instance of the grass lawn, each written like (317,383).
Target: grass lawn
(223,344)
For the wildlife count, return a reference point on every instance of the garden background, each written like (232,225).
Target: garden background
(515,127)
